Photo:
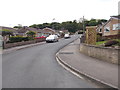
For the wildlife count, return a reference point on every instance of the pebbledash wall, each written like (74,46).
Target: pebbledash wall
(9,45)
(102,53)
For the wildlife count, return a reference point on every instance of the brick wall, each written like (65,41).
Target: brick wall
(9,45)
(102,53)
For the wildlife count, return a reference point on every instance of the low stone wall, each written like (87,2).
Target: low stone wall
(9,45)
(102,53)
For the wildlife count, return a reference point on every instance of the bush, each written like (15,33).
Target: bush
(25,38)
(18,39)
(110,43)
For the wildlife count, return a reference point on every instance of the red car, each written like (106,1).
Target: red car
(40,37)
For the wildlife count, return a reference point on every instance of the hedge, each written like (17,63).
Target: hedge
(18,39)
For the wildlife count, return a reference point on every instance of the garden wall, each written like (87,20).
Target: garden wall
(102,53)
(9,45)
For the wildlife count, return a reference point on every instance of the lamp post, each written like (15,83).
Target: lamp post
(53,22)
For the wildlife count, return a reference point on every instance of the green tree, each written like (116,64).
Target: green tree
(92,22)
(6,32)
(31,34)
(55,25)
(19,26)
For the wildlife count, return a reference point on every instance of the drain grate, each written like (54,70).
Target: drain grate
(66,53)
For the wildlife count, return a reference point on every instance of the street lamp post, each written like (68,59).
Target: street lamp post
(52,23)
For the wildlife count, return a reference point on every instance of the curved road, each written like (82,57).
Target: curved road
(36,67)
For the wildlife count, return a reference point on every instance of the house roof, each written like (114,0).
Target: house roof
(117,17)
(49,29)
(9,28)
(65,31)
(112,17)
(24,29)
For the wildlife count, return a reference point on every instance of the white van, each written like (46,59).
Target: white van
(66,36)
(52,38)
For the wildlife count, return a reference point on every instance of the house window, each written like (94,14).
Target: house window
(116,26)
(106,29)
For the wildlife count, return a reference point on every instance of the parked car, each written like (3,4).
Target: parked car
(66,36)
(40,37)
(52,38)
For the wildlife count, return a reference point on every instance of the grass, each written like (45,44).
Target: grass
(100,43)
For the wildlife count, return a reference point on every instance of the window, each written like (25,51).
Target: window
(116,26)
(106,29)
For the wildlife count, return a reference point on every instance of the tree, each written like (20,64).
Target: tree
(70,26)
(6,35)
(92,22)
(101,21)
(34,26)
(6,32)
(19,26)
(31,34)
(55,25)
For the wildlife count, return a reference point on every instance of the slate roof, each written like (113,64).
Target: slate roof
(118,17)
(9,28)
(24,29)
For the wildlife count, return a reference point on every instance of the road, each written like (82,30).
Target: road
(36,67)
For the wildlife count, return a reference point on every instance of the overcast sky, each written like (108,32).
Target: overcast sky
(28,12)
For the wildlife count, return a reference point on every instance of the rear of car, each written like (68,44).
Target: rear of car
(66,36)
(52,38)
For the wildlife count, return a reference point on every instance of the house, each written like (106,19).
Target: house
(14,31)
(112,27)
(45,32)
(61,31)
(6,37)
(23,31)
(99,28)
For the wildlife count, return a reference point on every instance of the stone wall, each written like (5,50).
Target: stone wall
(9,45)
(102,53)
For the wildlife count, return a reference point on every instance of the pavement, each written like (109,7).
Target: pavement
(96,70)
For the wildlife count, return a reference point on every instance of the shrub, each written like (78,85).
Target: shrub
(18,39)
(111,42)
(25,38)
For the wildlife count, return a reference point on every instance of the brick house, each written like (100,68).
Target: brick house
(23,31)
(45,32)
(112,27)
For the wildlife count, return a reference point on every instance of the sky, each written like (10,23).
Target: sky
(29,12)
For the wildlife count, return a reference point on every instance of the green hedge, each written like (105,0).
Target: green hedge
(18,39)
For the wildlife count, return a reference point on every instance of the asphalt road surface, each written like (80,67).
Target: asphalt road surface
(36,67)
